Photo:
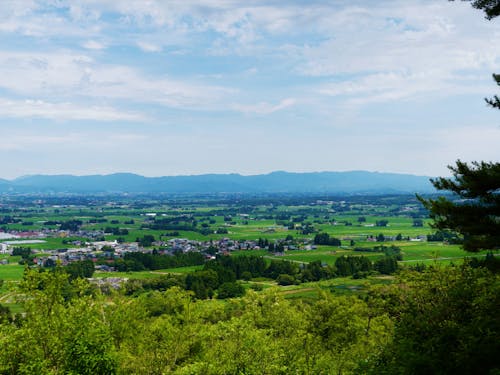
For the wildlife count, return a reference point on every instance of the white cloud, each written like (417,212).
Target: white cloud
(392,86)
(93,45)
(406,48)
(264,108)
(120,82)
(35,74)
(66,75)
(63,111)
(148,47)
(41,20)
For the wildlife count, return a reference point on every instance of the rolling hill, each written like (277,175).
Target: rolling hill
(354,182)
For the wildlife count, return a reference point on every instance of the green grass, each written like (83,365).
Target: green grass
(325,254)
(147,274)
(339,285)
(302,294)
(412,252)
(52,243)
(15,308)
(431,251)
(238,253)
(180,269)
(11,272)
(128,275)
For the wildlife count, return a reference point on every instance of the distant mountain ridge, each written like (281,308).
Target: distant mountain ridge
(353,182)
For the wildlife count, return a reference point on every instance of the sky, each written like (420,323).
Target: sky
(168,87)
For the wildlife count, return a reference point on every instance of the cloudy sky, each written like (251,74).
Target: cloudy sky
(167,87)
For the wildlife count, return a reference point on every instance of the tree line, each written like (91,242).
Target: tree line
(443,320)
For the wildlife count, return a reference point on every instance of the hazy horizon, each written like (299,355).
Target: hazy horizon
(199,87)
(201,174)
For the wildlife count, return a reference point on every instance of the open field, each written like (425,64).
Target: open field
(127,275)
(11,272)
(339,285)
(147,274)
(185,269)
(412,252)
(356,221)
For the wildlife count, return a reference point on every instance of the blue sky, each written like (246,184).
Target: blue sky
(165,87)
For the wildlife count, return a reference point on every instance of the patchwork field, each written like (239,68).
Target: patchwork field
(358,222)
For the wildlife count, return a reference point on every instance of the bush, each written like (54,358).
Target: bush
(285,279)
(325,239)
(230,290)
(257,287)
(246,275)
(386,265)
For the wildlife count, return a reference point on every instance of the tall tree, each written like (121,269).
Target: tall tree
(446,322)
(495,101)
(475,210)
(490,7)
(476,214)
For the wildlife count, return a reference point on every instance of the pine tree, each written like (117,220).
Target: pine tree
(495,101)
(490,7)
(474,211)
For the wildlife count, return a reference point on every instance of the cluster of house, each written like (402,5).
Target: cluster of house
(113,249)
(92,251)
(96,249)
(223,245)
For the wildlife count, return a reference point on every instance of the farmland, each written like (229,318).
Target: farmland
(272,227)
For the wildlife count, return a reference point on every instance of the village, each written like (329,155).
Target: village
(102,252)
(103,249)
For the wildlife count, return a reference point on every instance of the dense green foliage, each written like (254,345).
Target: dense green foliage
(439,321)
(61,331)
(83,269)
(230,290)
(23,252)
(144,261)
(226,270)
(350,265)
(238,265)
(386,265)
(325,239)
(446,323)
(70,327)
(476,214)
(146,240)
(72,225)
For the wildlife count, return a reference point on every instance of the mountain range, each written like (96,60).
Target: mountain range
(354,182)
